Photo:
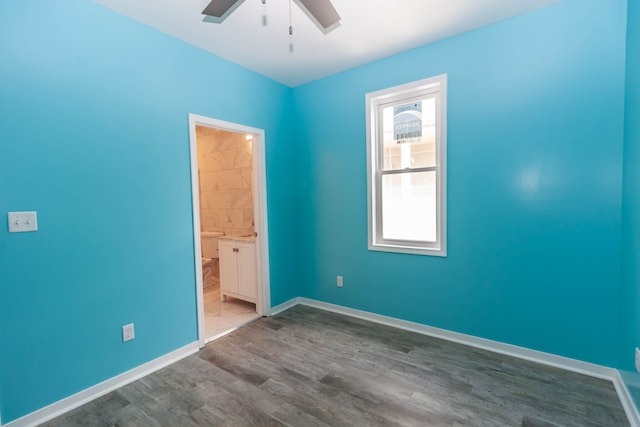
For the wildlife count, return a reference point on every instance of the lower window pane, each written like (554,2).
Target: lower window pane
(409,206)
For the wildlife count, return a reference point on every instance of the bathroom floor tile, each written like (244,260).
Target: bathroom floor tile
(221,316)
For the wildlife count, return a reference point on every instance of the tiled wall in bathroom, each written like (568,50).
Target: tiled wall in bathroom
(226,193)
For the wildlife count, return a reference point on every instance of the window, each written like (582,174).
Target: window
(406,153)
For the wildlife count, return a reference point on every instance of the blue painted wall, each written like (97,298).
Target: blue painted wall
(94,136)
(93,131)
(535,139)
(631,197)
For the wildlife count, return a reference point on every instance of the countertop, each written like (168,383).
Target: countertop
(238,238)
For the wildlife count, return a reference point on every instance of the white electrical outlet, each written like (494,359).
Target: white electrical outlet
(128,332)
(339,281)
(637,359)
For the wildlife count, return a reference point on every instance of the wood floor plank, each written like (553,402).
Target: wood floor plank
(307,367)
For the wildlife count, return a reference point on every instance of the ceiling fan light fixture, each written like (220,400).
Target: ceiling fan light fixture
(220,9)
(320,12)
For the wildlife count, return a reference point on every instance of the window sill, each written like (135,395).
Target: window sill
(407,249)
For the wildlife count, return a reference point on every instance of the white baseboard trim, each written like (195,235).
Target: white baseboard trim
(284,306)
(630,379)
(626,400)
(548,359)
(67,404)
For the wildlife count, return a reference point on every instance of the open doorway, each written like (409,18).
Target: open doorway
(228,182)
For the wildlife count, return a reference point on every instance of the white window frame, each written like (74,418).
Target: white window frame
(375,102)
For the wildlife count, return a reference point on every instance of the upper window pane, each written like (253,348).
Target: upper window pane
(409,134)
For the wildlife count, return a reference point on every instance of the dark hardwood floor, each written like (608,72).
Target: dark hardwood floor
(307,367)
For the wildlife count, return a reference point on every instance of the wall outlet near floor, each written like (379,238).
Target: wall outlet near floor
(339,281)
(637,359)
(128,332)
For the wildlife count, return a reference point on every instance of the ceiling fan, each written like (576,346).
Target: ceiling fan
(320,11)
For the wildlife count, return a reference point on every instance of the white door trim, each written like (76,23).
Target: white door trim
(263,305)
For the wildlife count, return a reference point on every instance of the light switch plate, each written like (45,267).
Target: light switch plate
(20,222)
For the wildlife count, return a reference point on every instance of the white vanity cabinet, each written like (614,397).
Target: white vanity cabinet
(238,269)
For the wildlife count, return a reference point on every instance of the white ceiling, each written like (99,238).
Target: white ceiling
(369,30)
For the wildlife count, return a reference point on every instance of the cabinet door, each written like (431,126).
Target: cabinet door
(247,279)
(228,267)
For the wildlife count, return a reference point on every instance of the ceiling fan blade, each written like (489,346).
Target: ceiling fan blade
(220,8)
(322,10)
